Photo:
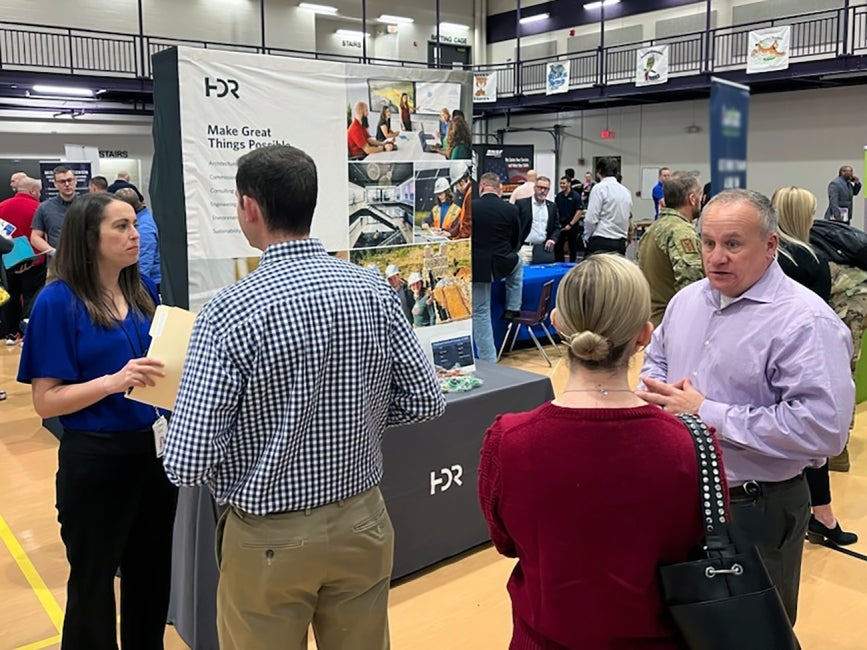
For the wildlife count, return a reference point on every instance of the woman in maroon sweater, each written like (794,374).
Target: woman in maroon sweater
(593,491)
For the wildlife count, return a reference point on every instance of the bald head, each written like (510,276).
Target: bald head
(123,176)
(15,179)
(360,110)
(129,195)
(30,186)
(532,176)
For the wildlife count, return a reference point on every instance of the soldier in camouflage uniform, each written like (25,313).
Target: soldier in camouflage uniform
(849,300)
(669,252)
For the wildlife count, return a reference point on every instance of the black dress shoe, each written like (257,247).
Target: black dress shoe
(509,314)
(817,533)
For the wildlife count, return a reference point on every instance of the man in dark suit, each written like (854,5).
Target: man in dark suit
(495,242)
(841,190)
(540,223)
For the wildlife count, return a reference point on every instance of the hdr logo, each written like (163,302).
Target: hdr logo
(222,87)
(446,477)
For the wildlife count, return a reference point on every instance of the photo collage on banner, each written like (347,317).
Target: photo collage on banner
(392,149)
(407,216)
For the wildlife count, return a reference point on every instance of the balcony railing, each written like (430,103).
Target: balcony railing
(815,36)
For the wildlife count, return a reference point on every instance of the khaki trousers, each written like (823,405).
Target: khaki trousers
(328,567)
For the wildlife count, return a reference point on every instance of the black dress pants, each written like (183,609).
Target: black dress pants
(819,480)
(776,522)
(605,245)
(566,237)
(116,508)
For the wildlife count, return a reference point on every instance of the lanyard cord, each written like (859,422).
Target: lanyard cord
(135,353)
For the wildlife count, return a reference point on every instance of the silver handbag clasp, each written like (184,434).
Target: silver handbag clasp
(736,570)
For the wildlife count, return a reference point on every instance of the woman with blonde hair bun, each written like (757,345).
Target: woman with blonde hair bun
(594,490)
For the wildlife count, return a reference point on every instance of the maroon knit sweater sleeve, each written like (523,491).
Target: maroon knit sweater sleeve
(489,490)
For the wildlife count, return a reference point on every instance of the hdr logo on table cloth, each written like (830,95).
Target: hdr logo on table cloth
(222,87)
(446,477)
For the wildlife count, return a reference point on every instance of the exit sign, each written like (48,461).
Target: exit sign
(607,135)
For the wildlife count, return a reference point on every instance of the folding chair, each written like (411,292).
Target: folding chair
(531,319)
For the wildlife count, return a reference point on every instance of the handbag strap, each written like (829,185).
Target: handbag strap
(713,505)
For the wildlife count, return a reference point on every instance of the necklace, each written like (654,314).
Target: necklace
(599,389)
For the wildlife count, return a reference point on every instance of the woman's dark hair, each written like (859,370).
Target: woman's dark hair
(450,197)
(77,262)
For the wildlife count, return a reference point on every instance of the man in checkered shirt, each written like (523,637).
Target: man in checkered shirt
(292,374)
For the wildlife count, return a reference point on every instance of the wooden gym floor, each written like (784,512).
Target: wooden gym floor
(461,604)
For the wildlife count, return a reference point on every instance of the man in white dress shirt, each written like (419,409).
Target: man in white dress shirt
(540,223)
(606,221)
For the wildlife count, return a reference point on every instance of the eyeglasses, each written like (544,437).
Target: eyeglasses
(543,187)
(65,181)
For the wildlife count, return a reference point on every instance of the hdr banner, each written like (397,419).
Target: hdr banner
(729,119)
(232,103)
(394,180)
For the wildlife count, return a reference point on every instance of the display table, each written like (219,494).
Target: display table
(408,148)
(429,487)
(535,275)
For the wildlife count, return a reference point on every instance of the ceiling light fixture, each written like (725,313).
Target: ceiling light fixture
(534,19)
(596,5)
(454,27)
(318,9)
(348,33)
(62,90)
(395,20)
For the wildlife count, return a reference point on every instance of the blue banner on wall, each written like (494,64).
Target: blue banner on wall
(729,118)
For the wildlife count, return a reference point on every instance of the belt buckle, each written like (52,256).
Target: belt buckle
(752,489)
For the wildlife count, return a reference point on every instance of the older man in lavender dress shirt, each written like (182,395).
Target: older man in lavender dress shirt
(764,361)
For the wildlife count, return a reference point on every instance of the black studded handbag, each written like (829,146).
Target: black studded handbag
(723,597)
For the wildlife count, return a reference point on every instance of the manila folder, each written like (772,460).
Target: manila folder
(170,338)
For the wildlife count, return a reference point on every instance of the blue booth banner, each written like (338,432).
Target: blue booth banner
(729,120)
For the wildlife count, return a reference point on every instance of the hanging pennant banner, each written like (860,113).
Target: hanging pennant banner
(557,78)
(485,87)
(769,49)
(652,66)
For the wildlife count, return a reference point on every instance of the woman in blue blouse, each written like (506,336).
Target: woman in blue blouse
(85,347)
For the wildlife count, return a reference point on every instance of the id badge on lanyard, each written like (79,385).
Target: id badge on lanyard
(161,429)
